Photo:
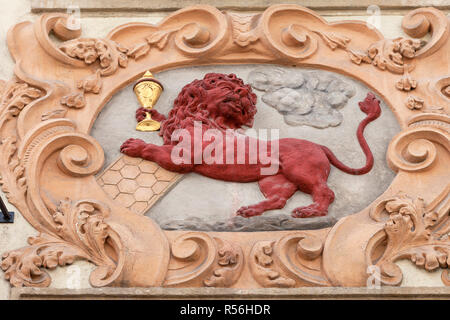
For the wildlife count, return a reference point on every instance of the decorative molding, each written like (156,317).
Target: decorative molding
(47,111)
(412,231)
(135,183)
(292,261)
(81,233)
(349,7)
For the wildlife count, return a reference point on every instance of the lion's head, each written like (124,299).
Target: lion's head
(218,101)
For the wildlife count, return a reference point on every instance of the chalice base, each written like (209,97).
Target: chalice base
(147,125)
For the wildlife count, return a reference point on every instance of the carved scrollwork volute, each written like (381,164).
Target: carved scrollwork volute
(415,150)
(58,24)
(229,264)
(294,260)
(204,33)
(193,255)
(289,40)
(264,269)
(70,230)
(200,260)
(413,231)
(77,155)
(419,22)
(81,233)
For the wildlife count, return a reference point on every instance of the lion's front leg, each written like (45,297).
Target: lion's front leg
(162,155)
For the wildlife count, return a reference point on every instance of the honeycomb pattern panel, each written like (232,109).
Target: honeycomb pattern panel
(136,183)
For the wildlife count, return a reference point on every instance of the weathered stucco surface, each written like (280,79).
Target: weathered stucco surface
(97,24)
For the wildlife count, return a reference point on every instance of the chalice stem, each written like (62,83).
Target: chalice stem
(148,124)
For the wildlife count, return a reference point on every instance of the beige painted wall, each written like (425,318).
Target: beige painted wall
(97,24)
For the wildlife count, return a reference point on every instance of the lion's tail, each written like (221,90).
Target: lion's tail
(370,106)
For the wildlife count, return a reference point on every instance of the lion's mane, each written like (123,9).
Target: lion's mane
(191,104)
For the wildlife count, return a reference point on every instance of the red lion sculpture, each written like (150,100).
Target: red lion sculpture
(223,102)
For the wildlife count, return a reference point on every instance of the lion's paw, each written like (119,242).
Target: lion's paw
(133,147)
(141,113)
(309,211)
(249,211)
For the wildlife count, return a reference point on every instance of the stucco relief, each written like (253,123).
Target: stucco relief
(49,161)
(197,194)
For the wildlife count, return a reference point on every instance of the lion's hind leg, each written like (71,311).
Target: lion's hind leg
(277,189)
(322,196)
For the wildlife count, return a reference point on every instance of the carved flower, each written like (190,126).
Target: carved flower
(83,49)
(408,47)
(413,102)
(74,100)
(406,83)
(359,56)
(91,83)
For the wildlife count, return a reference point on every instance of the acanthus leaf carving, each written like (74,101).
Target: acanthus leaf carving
(264,268)
(15,96)
(158,39)
(391,54)
(244,28)
(74,100)
(229,265)
(139,50)
(22,267)
(12,180)
(415,151)
(54,114)
(333,40)
(92,83)
(294,260)
(81,234)
(411,231)
(109,54)
(357,56)
(200,259)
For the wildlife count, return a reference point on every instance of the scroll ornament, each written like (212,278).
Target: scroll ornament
(81,234)
(34,128)
(411,231)
(292,261)
(199,259)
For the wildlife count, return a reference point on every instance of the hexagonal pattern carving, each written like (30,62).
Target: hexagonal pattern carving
(130,171)
(135,183)
(127,186)
(146,179)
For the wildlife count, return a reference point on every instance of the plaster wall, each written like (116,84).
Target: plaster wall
(97,24)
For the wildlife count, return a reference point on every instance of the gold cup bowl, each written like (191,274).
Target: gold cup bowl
(148,90)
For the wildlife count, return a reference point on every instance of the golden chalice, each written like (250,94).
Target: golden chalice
(147,91)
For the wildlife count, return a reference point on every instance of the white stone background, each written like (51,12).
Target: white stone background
(13,236)
(192,204)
